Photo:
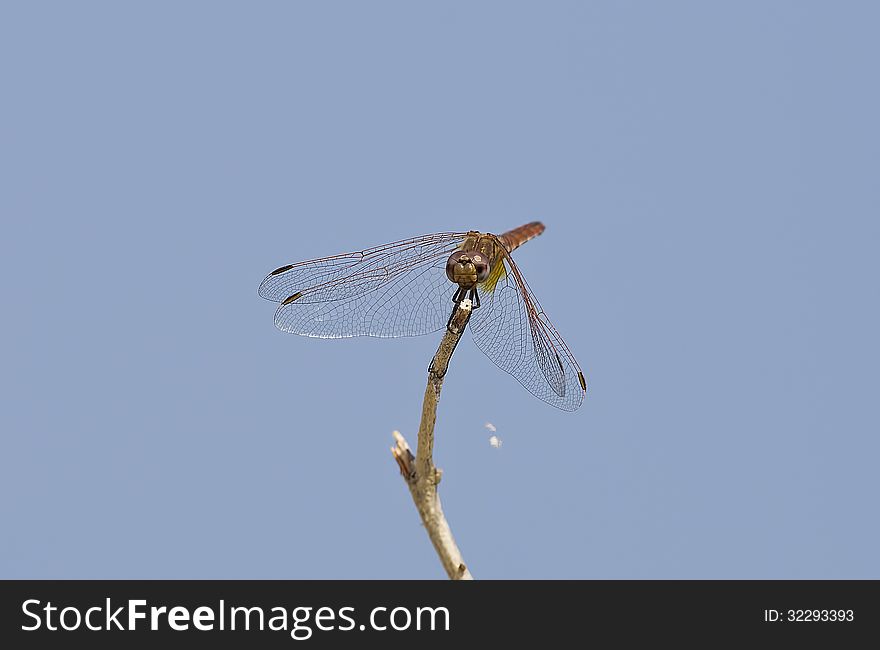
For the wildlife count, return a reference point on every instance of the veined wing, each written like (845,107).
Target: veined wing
(397,289)
(514,332)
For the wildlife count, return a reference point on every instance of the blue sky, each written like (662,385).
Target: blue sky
(707,173)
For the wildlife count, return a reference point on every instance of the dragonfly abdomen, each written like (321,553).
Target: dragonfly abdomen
(515,238)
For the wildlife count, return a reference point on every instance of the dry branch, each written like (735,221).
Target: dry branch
(419,472)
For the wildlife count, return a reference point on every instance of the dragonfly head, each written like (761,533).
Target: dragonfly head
(466,269)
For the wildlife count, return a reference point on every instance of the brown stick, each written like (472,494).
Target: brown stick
(419,472)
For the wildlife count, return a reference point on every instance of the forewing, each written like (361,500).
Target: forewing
(513,331)
(397,289)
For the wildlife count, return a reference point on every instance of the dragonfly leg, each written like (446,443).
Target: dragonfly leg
(459,296)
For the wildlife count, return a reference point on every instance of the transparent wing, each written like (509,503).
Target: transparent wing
(514,332)
(397,289)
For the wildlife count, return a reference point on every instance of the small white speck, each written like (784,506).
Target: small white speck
(490,426)
(495,441)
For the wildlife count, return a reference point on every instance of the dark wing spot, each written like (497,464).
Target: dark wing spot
(290,299)
(583,381)
(281,269)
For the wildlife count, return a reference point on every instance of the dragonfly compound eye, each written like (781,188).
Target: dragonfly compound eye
(465,270)
(481,265)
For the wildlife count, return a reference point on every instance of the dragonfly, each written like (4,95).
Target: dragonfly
(404,289)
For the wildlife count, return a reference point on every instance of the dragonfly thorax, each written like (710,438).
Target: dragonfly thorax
(467,268)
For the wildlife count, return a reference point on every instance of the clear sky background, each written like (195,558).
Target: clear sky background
(708,175)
